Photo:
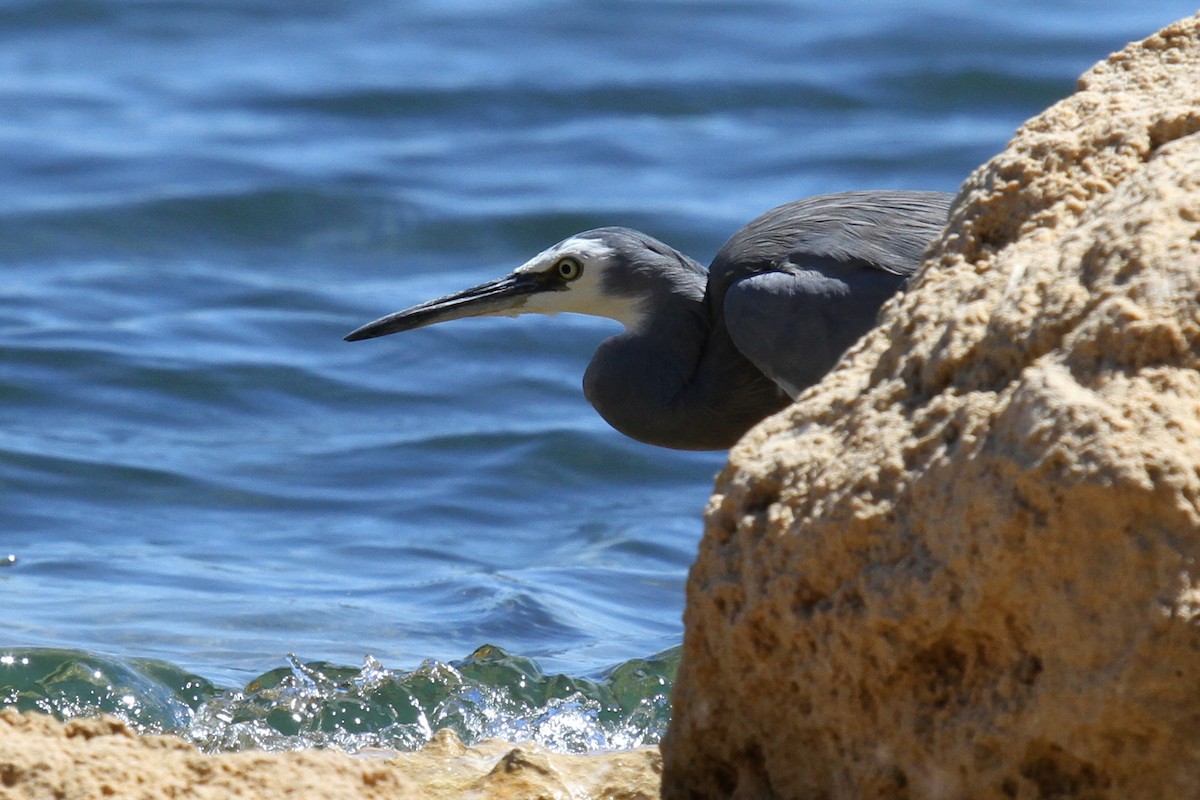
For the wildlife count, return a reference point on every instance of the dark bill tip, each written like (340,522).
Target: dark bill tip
(498,298)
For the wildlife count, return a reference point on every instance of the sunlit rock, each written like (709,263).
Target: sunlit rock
(964,565)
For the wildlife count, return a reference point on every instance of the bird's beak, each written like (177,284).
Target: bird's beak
(503,297)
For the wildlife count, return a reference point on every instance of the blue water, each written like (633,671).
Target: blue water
(201,198)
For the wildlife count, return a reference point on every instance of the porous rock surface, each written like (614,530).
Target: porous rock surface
(101,757)
(964,566)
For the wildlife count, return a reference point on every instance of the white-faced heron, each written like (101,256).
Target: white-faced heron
(706,354)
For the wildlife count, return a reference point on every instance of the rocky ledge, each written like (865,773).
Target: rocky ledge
(102,757)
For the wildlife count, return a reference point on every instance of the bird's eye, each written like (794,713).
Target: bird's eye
(568,269)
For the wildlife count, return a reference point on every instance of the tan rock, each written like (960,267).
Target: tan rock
(103,758)
(964,566)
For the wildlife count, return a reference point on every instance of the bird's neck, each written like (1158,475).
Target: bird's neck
(678,381)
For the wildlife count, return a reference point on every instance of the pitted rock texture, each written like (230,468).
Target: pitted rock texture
(964,565)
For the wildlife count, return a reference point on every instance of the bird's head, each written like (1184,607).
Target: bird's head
(606,272)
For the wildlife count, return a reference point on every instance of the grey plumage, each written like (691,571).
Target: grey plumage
(707,354)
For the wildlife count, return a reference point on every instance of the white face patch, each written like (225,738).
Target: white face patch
(585,294)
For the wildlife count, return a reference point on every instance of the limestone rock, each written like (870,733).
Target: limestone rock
(964,565)
(102,757)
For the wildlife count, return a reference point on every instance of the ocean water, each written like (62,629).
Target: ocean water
(218,518)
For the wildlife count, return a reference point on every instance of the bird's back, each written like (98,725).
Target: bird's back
(887,229)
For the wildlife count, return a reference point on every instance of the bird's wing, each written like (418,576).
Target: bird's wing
(806,280)
(795,325)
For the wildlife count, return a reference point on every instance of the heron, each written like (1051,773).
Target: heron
(707,354)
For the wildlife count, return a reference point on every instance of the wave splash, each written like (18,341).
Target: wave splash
(489,694)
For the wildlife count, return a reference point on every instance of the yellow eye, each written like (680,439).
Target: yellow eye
(568,269)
